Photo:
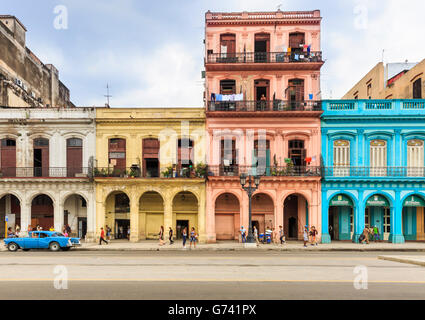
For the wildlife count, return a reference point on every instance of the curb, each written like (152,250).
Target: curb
(403,260)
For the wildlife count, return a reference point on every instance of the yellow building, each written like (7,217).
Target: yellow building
(149,171)
(391,81)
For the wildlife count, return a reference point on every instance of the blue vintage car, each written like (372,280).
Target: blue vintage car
(42,240)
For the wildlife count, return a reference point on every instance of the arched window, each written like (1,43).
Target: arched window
(74,156)
(415,157)
(341,152)
(378,158)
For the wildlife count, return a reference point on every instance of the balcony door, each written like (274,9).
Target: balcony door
(228,46)
(262,94)
(41,157)
(295,93)
(151,158)
(74,156)
(8,157)
(296,42)
(415,158)
(341,152)
(297,153)
(117,154)
(378,158)
(262,47)
(229,159)
(261,157)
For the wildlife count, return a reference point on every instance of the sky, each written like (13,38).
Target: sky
(151,52)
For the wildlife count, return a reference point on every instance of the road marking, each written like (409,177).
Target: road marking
(215,280)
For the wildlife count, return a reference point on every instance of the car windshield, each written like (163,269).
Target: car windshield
(57,234)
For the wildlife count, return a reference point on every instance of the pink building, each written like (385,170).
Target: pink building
(263,118)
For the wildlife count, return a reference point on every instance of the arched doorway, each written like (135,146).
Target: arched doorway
(227,216)
(42,212)
(118,214)
(151,208)
(377,215)
(295,216)
(75,215)
(263,212)
(341,226)
(185,213)
(10,207)
(413,218)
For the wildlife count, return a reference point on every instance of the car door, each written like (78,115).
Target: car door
(31,242)
(44,240)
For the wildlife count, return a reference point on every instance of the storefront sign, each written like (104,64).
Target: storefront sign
(341,201)
(377,201)
(414,201)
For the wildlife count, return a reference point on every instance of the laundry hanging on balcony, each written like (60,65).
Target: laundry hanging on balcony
(226,97)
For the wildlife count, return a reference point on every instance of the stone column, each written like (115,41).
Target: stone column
(201,219)
(134,220)
(396,216)
(58,215)
(25,215)
(210,215)
(91,219)
(168,214)
(359,217)
(326,237)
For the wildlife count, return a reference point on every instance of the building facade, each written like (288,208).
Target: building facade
(150,171)
(45,160)
(374,171)
(25,81)
(402,80)
(263,118)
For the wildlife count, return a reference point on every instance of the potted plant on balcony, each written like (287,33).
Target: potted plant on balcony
(168,173)
(201,170)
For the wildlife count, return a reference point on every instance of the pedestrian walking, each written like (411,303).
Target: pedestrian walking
(184,236)
(305,235)
(170,234)
(281,235)
(161,236)
(255,231)
(364,237)
(128,233)
(376,236)
(193,237)
(102,237)
(314,236)
(243,234)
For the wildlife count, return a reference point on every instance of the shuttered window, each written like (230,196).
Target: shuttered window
(341,153)
(415,158)
(417,89)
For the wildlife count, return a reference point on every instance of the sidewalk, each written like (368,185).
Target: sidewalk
(120,245)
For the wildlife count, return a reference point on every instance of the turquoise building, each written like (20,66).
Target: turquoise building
(374,170)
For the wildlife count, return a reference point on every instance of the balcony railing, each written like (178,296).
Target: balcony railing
(265,57)
(50,172)
(368,172)
(275,171)
(165,172)
(265,105)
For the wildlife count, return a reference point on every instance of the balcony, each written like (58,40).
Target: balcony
(275,171)
(343,108)
(50,172)
(264,107)
(251,61)
(197,172)
(374,173)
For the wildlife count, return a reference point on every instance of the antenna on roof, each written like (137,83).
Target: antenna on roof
(107,96)
(278,7)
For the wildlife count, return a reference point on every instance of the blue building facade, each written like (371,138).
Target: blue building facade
(374,169)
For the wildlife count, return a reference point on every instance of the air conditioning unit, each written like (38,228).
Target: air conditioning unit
(18,82)
(24,87)
(33,95)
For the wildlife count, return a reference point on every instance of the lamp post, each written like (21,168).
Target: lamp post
(250,189)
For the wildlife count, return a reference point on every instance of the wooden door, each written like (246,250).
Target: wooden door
(150,149)
(41,157)
(8,157)
(74,156)
(117,153)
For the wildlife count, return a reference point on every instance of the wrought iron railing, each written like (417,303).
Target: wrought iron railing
(367,172)
(164,172)
(265,57)
(265,105)
(46,172)
(266,171)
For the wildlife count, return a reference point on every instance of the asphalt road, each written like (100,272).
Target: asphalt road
(207,275)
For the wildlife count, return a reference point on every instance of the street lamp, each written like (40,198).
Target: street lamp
(250,189)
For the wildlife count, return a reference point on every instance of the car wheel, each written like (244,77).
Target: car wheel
(12,247)
(54,246)
(66,248)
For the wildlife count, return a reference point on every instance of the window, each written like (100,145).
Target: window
(122,203)
(341,152)
(185,152)
(227,87)
(8,143)
(367,218)
(74,142)
(369,90)
(417,89)
(41,142)
(387,221)
(378,157)
(415,158)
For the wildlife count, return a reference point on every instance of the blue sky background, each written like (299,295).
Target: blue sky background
(151,52)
